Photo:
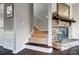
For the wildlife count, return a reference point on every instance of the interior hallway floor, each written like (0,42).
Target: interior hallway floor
(71,51)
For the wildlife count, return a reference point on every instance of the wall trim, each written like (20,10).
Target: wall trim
(16,51)
(36,26)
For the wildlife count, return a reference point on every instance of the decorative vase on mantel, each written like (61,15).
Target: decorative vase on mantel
(59,36)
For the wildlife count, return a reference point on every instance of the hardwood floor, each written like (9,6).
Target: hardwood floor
(4,51)
(30,52)
(71,51)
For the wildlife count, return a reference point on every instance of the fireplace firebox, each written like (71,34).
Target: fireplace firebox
(64,31)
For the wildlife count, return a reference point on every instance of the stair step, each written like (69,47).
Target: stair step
(33,38)
(39,36)
(41,32)
(38,40)
(38,47)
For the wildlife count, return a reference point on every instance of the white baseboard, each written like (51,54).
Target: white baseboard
(16,51)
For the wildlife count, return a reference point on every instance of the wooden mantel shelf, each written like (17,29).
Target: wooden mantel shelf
(62,18)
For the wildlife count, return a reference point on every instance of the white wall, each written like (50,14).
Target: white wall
(23,16)
(40,13)
(75,26)
(50,25)
(53,8)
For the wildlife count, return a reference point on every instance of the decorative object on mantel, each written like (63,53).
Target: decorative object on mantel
(59,34)
(63,9)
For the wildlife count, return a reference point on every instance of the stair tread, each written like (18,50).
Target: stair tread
(39,36)
(39,45)
(41,32)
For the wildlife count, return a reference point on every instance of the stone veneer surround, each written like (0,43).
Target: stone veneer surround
(61,24)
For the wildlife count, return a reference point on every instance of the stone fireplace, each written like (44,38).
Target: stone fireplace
(62,27)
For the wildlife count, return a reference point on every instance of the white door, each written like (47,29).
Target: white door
(1,24)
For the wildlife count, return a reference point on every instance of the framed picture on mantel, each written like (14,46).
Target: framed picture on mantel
(63,9)
(9,11)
